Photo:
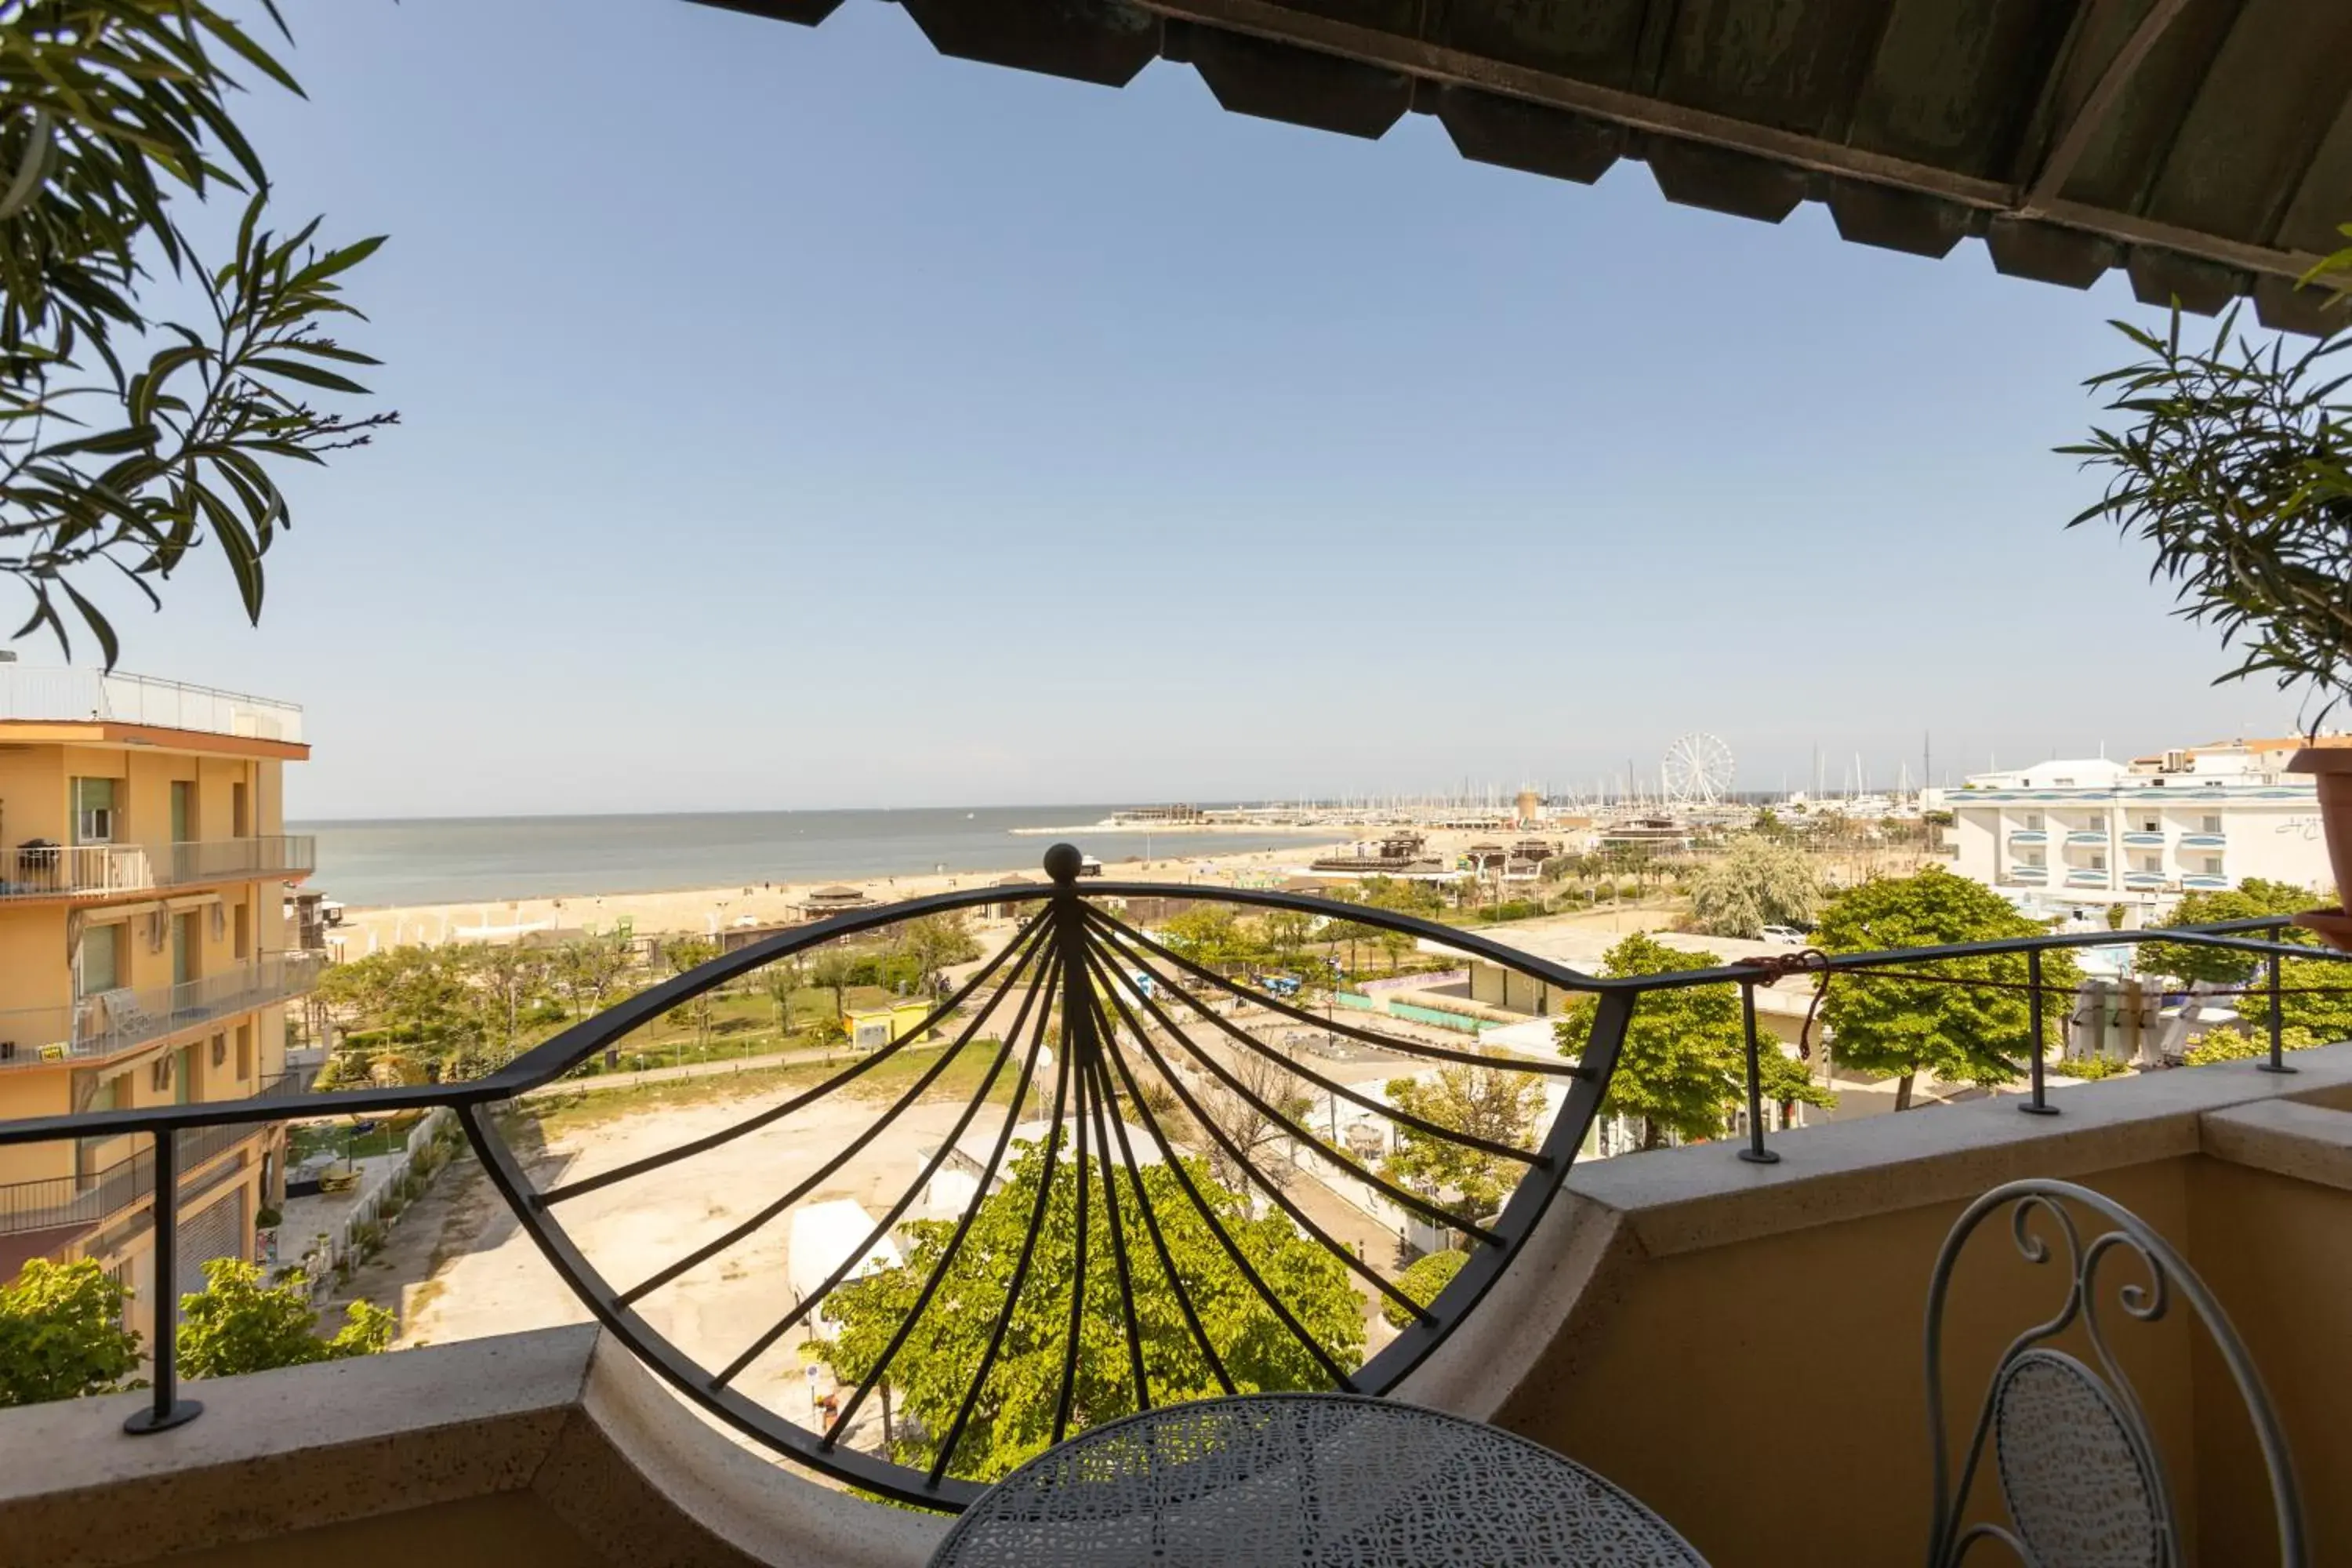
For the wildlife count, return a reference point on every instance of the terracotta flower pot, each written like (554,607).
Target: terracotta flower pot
(2331,766)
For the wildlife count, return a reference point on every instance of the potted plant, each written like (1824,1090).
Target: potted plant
(2235,462)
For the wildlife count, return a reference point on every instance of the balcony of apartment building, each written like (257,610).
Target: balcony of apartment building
(44,1215)
(1681,1322)
(31,695)
(113,1022)
(91,873)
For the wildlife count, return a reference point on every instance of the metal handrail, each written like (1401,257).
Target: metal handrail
(1115,994)
(66,870)
(45,1203)
(76,696)
(109,1022)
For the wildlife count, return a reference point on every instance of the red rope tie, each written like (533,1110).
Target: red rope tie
(1778,966)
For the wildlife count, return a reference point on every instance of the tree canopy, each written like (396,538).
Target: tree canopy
(61,1333)
(238,1324)
(1976,1034)
(2250,899)
(1683,1069)
(1757,881)
(1422,1280)
(118,121)
(1491,1102)
(1014,1418)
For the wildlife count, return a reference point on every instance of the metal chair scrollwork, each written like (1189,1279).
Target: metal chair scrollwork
(2080,1475)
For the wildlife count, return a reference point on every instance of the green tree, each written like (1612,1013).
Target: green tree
(61,1333)
(2250,899)
(1208,935)
(1015,1419)
(587,971)
(935,942)
(1422,1280)
(510,980)
(2314,1004)
(117,124)
(1683,1066)
(238,1324)
(1286,933)
(835,970)
(1961,1033)
(1490,1103)
(1756,883)
(782,981)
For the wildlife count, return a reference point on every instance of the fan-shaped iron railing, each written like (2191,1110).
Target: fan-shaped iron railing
(1166,1131)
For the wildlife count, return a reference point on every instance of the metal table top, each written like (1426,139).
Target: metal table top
(1306,1482)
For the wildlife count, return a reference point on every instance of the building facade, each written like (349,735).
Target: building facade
(2059,835)
(145,958)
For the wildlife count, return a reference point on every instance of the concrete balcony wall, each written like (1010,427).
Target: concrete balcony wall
(1738,1345)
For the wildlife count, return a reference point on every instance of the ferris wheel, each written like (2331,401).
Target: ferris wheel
(1699,770)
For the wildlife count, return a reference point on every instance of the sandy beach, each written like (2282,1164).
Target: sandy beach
(709,910)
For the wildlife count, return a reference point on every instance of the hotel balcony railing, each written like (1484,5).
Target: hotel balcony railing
(90,870)
(55,1202)
(2142,840)
(2086,836)
(2029,835)
(112,1022)
(90,696)
(1138,1028)
(2204,840)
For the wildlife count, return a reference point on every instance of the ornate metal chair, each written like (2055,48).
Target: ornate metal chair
(2080,1476)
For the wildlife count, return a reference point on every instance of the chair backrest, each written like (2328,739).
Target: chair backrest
(2080,1474)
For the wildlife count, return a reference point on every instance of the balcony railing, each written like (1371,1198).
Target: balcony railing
(112,1022)
(1141,1032)
(85,871)
(2029,835)
(90,696)
(55,1202)
(2086,837)
(2140,838)
(2204,841)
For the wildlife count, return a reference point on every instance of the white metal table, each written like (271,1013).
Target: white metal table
(1306,1482)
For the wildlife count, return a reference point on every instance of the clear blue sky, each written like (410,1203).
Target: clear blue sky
(799,418)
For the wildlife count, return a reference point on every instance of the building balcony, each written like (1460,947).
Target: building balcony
(2204,841)
(1607,1305)
(2086,837)
(2088,876)
(2028,835)
(2144,840)
(28,693)
(2205,881)
(112,1022)
(78,1202)
(1659,1271)
(2028,873)
(97,872)
(2143,879)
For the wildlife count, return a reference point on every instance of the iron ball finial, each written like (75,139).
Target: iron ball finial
(1062,863)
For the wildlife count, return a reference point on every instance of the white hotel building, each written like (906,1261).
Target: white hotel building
(2063,836)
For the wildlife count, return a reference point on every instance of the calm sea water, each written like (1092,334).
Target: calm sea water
(437,860)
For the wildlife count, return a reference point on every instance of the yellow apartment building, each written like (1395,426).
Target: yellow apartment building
(143,958)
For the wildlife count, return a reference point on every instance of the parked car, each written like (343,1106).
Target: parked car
(1787,936)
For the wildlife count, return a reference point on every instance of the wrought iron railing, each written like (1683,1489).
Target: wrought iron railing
(110,1022)
(32,692)
(1183,1205)
(76,870)
(48,1203)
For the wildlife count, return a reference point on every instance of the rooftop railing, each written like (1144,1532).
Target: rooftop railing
(112,1022)
(89,696)
(1146,1198)
(88,870)
(49,1203)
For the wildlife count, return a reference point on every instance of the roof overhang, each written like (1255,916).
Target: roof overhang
(112,732)
(2204,146)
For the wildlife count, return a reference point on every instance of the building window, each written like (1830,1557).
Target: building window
(2212,865)
(2151,825)
(244,1052)
(93,811)
(159,1076)
(100,968)
(2033,822)
(2098,862)
(2209,825)
(220,1050)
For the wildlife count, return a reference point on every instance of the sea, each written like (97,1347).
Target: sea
(450,859)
